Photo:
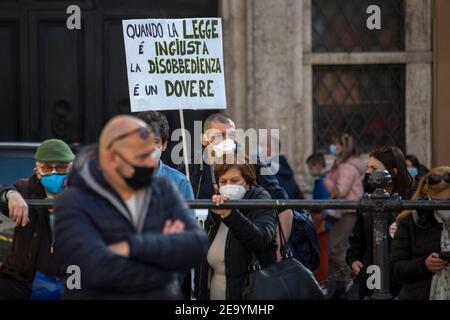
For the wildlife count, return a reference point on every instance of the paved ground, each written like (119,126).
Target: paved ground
(352,293)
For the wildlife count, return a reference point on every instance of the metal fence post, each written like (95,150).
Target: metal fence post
(381,180)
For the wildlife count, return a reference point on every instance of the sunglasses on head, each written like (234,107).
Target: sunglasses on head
(435,178)
(155,154)
(144,133)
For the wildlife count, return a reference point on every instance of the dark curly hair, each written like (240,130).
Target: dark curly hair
(158,119)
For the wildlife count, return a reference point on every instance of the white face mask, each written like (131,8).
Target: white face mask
(233,191)
(156,154)
(225,147)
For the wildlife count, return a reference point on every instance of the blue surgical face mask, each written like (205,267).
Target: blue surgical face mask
(412,171)
(54,183)
(333,150)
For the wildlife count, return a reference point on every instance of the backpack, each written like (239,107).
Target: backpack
(46,287)
(304,240)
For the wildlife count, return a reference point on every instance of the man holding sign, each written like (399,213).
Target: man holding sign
(175,64)
(219,136)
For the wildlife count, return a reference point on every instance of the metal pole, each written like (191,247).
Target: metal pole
(186,152)
(382,181)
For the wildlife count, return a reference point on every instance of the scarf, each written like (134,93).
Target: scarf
(440,284)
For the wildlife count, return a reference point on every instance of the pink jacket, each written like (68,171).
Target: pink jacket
(345,180)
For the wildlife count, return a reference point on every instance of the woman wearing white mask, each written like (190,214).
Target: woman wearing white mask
(236,234)
(421,245)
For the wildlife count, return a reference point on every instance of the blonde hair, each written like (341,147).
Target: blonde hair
(424,188)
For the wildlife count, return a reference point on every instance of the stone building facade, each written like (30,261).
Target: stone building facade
(272,61)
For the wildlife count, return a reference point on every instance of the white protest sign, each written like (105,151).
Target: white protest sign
(174,63)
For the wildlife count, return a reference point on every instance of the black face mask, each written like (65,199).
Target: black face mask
(141,178)
(367,187)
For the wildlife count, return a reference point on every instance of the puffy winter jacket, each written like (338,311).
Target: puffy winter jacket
(417,236)
(345,180)
(90,215)
(250,231)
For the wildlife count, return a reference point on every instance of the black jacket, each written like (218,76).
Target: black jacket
(421,172)
(361,249)
(31,246)
(250,231)
(90,215)
(415,239)
(285,177)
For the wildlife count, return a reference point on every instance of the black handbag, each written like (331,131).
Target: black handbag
(288,279)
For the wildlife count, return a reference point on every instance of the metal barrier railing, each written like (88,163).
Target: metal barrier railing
(378,203)
(364,204)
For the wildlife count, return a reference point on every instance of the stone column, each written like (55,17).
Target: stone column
(233,14)
(441,79)
(275,73)
(418,80)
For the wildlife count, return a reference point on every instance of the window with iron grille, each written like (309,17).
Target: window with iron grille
(340,26)
(367,101)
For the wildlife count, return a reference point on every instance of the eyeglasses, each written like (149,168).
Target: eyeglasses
(144,133)
(435,178)
(221,136)
(48,168)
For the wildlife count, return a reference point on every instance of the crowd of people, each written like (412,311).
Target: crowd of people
(120,216)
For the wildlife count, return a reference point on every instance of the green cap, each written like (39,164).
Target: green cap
(54,150)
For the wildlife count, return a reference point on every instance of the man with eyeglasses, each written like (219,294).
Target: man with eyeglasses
(127,230)
(32,250)
(219,138)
